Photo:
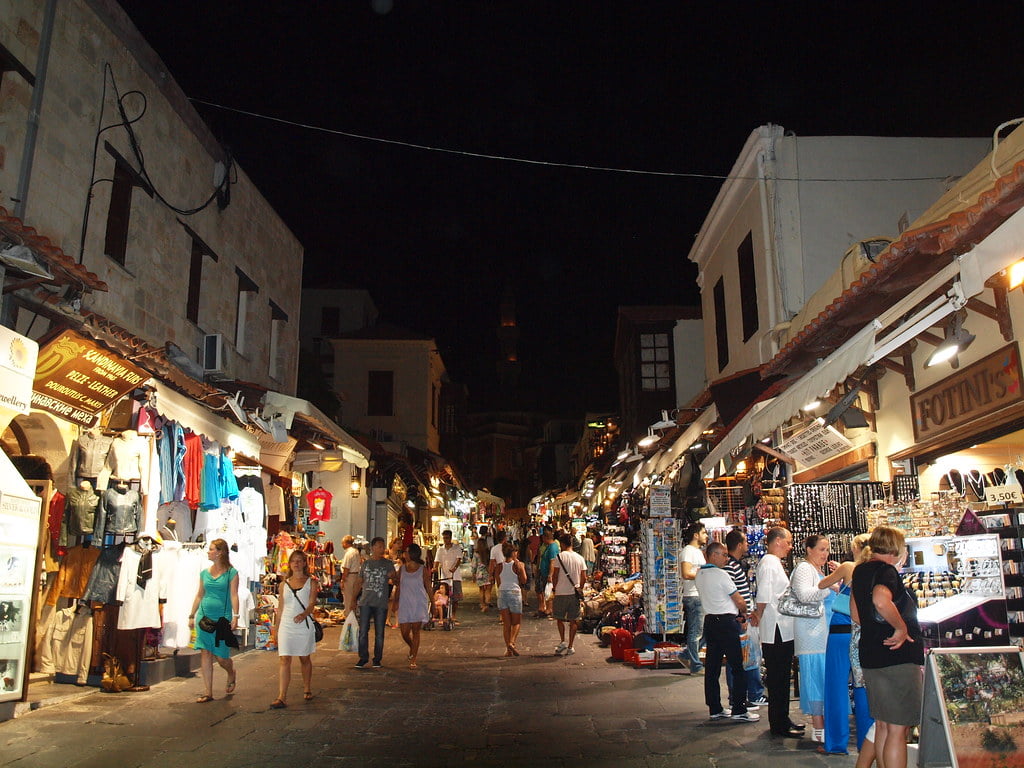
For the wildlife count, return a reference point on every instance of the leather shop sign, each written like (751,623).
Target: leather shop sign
(76,379)
(988,385)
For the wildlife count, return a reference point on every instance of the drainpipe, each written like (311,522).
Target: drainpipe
(32,129)
(768,229)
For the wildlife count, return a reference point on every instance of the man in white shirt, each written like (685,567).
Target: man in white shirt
(695,536)
(588,552)
(725,615)
(350,563)
(568,572)
(776,632)
(449,566)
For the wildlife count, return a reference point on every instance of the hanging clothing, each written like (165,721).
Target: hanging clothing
(126,455)
(66,645)
(184,564)
(55,517)
(245,478)
(79,515)
(193,468)
(141,585)
(253,507)
(179,512)
(73,576)
(102,585)
(89,456)
(319,502)
(209,491)
(120,512)
(228,483)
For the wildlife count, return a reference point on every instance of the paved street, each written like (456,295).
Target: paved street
(466,705)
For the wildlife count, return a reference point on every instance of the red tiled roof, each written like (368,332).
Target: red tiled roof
(65,269)
(909,261)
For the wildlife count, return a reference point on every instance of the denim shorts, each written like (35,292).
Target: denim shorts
(511,600)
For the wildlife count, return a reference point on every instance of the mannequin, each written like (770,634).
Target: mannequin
(126,456)
(79,513)
(90,454)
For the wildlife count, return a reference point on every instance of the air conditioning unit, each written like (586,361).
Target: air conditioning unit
(213,353)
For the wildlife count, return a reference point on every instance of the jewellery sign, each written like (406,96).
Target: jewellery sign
(17,366)
(76,379)
(987,386)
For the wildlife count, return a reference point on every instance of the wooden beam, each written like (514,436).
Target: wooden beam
(892,365)
(977,305)
(908,377)
(1003,309)
(930,337)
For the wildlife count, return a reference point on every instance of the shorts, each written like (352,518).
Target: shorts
(512,600)
(566,608)
(456,590)
(894,693)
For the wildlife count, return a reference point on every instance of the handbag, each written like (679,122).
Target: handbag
(209,625)
(790,606)
(318,628)
(841,603)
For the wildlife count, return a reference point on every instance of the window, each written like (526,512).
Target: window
(200,251)
(721,325)
(247,291)
(115,245)
(330,321)
(380,393)
(748,286)
(655,372)
(278,321)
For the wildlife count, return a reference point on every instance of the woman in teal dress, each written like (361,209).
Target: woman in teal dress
(217,598)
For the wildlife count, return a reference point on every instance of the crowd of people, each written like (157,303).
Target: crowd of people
(843,621)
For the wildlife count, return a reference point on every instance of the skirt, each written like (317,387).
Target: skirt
(812,683)
(895,693)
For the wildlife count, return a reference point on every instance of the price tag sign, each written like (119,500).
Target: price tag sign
(1003,494)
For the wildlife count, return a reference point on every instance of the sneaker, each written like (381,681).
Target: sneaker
(759,702)
(361,664)
(569,651)
(560,648)
(377,665)
(747,717)
(720,715)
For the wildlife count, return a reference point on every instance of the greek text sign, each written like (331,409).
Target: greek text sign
(76,379)
(815,444)
(979,389)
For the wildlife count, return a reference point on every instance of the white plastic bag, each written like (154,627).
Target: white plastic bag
(349,633)
(549,590)
(750,641)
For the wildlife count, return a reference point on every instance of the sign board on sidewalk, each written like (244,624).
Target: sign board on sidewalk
(815,444)
(972,713)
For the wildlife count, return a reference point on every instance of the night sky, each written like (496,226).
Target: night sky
(659,86)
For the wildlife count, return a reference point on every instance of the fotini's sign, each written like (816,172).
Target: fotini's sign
(988,385)
(76,379)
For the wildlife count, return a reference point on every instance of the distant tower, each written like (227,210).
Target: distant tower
(508,342)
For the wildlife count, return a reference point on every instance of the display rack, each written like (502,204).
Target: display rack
(1009,525)
(661,540)
(614,561)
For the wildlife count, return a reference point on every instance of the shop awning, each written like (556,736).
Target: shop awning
(734,438)
(692,434)
(324,461)
(203,421)
(276,404)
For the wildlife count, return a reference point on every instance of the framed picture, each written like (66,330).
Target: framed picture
(973,709)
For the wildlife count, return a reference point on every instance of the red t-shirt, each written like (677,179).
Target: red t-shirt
(319,504)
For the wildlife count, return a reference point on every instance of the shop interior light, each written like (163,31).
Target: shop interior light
(1015,274)
(316,445)
(811,406)
(355,485)
(957,340)
(649,440)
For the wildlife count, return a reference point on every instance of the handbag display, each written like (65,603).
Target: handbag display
(790,606)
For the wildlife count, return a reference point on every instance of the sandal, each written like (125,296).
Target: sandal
(508,651)
(277,704)
(230,687)
(412,665)
(204,699)
(514,651)
(307,696)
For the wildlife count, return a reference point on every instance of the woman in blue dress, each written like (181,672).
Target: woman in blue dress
(217,598)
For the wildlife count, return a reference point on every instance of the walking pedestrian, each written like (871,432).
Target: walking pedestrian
(695,536)
(568,572)
(350,563)
(776,632)
(510,577)
(413,588)
(449,567)
(736,545)
(725,616)
(549,549)
(374,581)
(216,599)
(293,628)
(811,635)
(484,580)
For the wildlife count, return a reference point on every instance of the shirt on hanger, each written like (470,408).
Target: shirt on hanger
(319,502)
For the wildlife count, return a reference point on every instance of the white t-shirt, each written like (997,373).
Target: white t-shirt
(497,554)
(692,554)
(450,558)
(351,561)
(575,565)
(715,586)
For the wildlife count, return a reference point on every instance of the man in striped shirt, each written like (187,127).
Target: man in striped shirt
(736,543)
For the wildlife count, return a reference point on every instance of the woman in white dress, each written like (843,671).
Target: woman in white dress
(413,598)
(293,629)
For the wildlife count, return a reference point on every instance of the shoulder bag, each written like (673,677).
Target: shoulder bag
(206,623)
(577,590)
(789,605)
(318,629)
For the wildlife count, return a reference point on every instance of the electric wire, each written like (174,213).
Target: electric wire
(548,163)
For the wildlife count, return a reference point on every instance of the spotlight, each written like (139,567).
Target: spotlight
(957,340)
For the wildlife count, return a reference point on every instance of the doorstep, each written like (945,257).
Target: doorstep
(45,691)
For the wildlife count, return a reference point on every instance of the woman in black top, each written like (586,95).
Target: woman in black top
(891,652)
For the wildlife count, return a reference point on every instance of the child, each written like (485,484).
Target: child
(441,598)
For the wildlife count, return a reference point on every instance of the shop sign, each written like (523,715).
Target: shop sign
(661,501)
(76,379)
(17,367)
(816,444)
(1003,494)
(987,386)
